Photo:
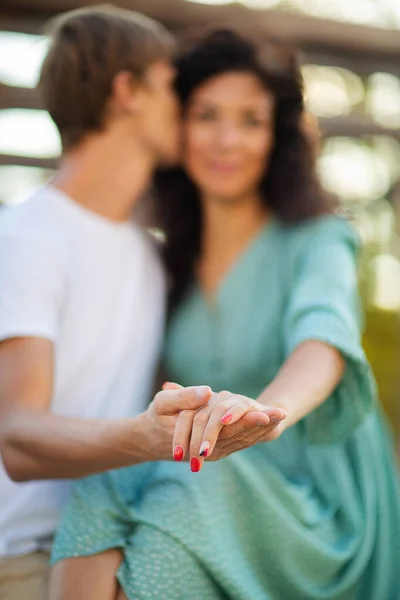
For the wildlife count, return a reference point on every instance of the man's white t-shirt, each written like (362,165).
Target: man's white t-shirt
(96,289)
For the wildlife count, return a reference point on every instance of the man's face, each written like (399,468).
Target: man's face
(158,123)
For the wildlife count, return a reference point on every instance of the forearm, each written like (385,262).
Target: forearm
(39,445)
(305,381)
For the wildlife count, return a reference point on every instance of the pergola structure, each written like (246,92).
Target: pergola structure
(363,50)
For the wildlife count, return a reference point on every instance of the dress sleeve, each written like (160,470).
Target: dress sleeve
(324,305)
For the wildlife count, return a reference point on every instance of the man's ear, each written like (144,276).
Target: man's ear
(125,92)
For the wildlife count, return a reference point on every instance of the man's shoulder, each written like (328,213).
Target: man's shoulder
(33,229)
(33,219)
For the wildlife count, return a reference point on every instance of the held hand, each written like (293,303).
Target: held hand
(244,434)
(202,428)
(160,418)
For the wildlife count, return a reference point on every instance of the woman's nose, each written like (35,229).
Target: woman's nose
(229,136)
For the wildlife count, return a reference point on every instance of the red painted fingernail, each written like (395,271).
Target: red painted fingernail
(178,453)
(226,419)
(204,449)
(195,464)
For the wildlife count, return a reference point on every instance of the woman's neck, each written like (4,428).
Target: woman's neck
(228,228)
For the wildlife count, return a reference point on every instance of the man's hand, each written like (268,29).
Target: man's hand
(158,422)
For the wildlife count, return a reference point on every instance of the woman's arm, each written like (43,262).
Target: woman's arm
(305,381)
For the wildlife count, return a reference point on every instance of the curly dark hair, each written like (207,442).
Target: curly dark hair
(290,187)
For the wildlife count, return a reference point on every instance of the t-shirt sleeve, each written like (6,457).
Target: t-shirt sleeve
(324,306)
(32,282)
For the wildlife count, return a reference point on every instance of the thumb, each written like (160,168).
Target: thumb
(169,402)
(169,385)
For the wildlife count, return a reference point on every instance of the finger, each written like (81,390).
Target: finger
(254,418)
(216,408)
(169,402)
(199,424)
(237,411)
(211,434)
(216,423)
(229,446)
(169,385)
(231,409)
(275,414)
(246,440)
(259,415)
(183,429)
(258,418)
(249,421)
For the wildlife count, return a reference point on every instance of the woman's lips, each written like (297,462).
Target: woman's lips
(220,167)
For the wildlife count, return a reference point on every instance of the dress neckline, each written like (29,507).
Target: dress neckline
(240,263)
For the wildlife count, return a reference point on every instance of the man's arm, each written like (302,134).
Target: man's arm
(36,444)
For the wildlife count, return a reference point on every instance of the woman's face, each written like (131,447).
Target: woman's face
(228,135)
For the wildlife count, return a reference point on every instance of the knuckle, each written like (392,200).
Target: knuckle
(191,401)
(157,400)
(201,418)
(246,402)
(225,405)
(185,414)
(157,397)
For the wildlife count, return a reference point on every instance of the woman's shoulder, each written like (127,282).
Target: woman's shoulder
(318,232)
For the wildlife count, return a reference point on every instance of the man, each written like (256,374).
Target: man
(82,292)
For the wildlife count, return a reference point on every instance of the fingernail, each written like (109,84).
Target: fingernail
(202,392)
(226,419)
(195,464)
(178,453)
(204,449)
(277,419)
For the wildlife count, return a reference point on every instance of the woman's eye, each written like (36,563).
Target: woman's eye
(251,121)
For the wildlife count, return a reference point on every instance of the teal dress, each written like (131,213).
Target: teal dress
(312,515)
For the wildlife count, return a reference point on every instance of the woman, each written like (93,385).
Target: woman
(265,305)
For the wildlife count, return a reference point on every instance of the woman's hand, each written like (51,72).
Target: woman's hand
(200,429)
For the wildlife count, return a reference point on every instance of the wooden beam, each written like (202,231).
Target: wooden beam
(354,126)
(25,161)
(362,64)
(299,29)
(16,97)
(21,23)
(337,126)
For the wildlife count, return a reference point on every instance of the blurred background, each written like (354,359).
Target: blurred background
(351,66)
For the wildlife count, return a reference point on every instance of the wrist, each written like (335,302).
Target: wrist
(141,438)
(126,441)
